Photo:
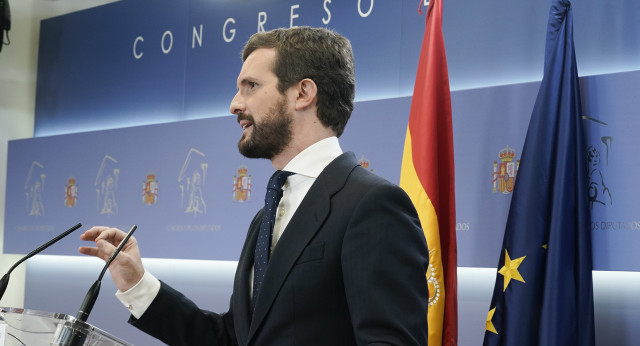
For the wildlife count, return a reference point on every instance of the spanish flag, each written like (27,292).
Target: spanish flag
(428,177)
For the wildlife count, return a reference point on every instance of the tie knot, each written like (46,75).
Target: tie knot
(277,179)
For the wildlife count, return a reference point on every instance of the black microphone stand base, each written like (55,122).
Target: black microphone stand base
(71,334)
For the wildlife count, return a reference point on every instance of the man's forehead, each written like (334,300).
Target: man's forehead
(263,58)
(259,62)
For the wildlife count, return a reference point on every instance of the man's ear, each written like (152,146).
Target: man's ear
(307,94)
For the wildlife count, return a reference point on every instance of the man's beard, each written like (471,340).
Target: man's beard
(270,136)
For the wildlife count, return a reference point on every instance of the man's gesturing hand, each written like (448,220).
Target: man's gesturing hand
(126,269)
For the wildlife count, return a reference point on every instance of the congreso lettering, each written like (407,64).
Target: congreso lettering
(228,28)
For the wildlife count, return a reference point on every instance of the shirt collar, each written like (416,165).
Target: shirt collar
(312,161)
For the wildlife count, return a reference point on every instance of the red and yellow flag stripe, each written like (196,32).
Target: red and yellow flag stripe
(427,176)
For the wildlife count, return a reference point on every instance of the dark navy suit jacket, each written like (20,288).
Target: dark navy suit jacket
(349,269)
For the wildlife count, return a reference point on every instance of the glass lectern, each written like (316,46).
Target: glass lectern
(30,327)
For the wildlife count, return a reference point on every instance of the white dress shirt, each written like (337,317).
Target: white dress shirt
(307,166)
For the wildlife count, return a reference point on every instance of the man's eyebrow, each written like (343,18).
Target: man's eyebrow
(246,80)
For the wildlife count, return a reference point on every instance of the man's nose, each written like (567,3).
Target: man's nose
(237,104)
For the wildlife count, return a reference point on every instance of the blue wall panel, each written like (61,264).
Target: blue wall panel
(196,161)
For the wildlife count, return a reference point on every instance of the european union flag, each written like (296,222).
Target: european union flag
(544,292)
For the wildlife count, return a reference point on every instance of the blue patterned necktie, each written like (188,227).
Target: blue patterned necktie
(263,246)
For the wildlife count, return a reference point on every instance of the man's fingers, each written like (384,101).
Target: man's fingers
(87,250)
(103,249)
(111,235)
(93,233)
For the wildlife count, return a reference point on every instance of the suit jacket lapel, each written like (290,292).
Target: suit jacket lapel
(241,299)
(307,220)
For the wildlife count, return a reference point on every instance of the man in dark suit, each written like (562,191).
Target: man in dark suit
(348,259)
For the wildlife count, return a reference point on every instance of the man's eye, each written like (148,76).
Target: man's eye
(252,85)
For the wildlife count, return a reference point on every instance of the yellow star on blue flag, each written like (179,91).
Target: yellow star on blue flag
(510,269)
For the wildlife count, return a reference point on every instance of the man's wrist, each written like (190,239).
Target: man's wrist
(138,298)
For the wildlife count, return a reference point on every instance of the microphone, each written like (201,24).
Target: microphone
(94,290)
(5,279)
(75,333)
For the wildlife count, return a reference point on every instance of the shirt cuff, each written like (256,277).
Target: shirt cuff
(138,298)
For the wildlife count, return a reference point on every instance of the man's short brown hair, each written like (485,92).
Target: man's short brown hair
(319,54)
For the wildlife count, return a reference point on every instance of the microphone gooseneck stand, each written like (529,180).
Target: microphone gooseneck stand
(75,333)
(5,279)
